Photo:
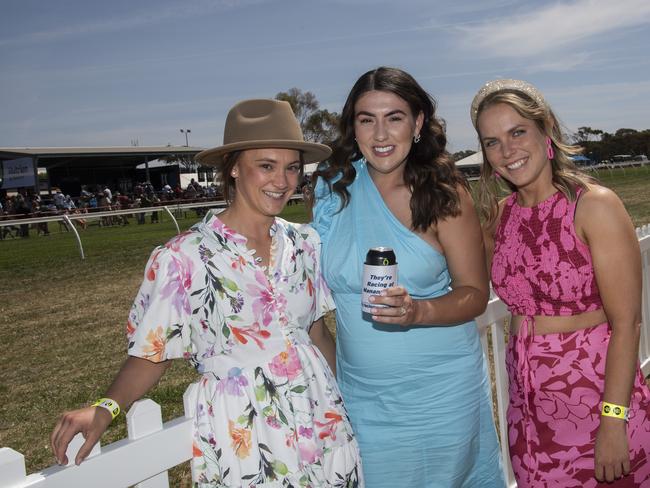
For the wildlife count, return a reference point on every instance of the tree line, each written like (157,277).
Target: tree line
(321,125)
(599,145)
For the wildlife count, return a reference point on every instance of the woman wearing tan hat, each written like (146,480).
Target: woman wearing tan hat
(565,260)
(241,297)
(412,374)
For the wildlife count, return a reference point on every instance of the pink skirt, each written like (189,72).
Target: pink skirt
(556,386)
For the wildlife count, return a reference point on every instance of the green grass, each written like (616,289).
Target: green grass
(62,328)
(632,185)
(62,321)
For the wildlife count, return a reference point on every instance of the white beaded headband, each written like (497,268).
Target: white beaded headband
(504,84)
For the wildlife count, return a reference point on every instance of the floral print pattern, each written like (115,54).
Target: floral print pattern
(540,266)
(556,386)
(556,381)
(268,410)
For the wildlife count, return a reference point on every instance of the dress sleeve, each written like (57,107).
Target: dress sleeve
(327,203)
(159,322)
(323,301)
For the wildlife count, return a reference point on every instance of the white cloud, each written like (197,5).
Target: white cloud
(567,62)
(553,28)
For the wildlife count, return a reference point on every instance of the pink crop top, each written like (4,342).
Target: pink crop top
(540,266)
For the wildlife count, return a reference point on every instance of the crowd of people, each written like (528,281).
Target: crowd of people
(26,203)
(402,398)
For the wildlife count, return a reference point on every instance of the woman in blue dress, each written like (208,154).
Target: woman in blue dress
(413,375)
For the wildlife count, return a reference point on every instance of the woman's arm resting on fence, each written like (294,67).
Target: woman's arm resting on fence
(323,340)
(135,378)
(614,247)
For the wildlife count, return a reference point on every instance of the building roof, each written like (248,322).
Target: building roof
(127,156)
(475,159)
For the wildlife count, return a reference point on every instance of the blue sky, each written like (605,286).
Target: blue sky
(97,73)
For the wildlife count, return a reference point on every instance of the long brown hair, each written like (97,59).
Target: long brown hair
(566,176)
(429,173)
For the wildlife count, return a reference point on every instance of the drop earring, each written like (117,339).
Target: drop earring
(417,138)
(550,153)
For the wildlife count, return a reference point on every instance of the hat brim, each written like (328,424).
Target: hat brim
(312,152)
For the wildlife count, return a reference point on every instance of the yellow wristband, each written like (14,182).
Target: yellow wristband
(617,411)
(108,404)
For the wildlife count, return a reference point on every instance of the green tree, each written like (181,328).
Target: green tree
(623,141)
(586,134)
(318,125)
(625,132)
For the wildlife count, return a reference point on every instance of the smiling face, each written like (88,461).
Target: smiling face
(384,127)
(514,146)
(265,179)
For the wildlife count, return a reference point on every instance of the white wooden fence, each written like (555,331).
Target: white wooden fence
(153,447)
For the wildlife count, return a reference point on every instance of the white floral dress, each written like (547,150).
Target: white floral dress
(268,410)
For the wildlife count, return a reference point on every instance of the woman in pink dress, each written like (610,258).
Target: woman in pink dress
(240,295)
(564,257)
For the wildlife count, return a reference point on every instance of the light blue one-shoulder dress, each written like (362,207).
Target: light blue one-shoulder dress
(418,397)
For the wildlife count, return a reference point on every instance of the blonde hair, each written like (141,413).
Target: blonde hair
(566,176)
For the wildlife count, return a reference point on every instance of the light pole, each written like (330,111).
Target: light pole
(186,131)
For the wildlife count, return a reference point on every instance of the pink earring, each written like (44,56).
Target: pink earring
(549,148)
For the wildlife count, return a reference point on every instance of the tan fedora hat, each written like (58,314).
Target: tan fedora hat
(263,123)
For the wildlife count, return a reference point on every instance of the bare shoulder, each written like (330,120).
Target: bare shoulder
(464,195)
(600,210)
(465,209)
(598,198)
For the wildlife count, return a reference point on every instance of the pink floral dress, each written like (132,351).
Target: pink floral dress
(268,410)
(556,381)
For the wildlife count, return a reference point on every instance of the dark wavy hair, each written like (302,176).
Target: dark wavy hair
(429,173)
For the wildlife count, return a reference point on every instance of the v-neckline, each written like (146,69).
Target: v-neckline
(241,242)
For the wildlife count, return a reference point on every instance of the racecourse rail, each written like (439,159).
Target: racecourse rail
(152,447)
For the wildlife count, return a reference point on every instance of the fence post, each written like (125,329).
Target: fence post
(178,230)
(69,223)
(643,233)
(189,400)
(12,467)
(501,387)
(142,419)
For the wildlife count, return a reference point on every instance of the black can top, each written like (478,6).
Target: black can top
(381,256)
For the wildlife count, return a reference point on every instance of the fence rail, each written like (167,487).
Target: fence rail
(173,210)
(153,447)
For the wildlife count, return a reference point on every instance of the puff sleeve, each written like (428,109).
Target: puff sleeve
(327,203)
(159,321)
(322,297)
